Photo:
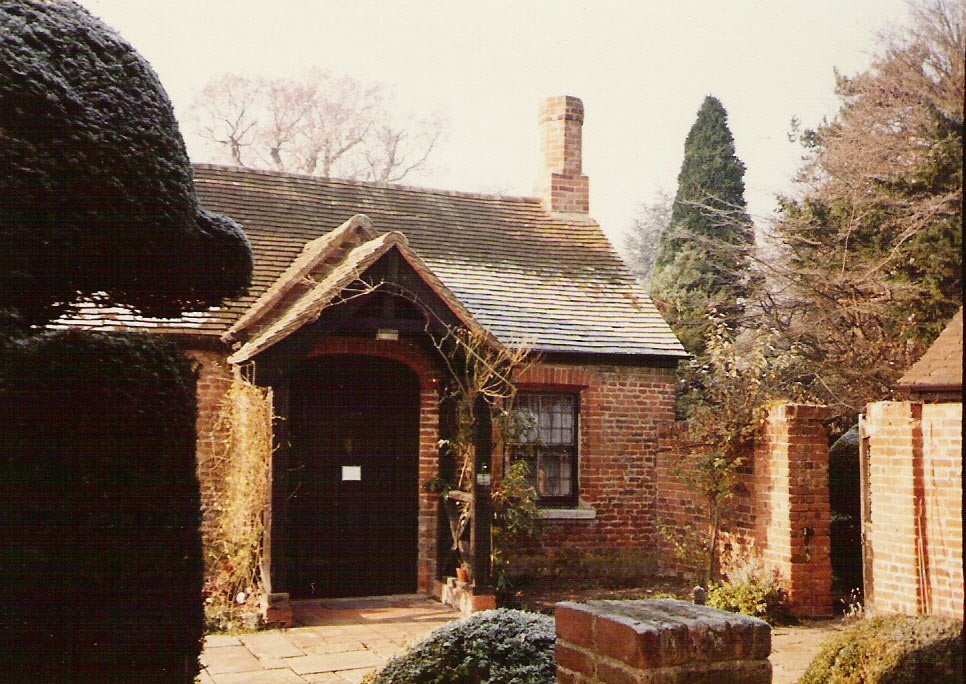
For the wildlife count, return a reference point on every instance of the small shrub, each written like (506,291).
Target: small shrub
(516,517)
(752,588)
(498,646)
(891,650)
(756,600)
(688,548)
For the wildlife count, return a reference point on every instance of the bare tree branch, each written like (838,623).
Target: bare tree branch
(318,124)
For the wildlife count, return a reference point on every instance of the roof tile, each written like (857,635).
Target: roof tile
(941,367)
(522,272)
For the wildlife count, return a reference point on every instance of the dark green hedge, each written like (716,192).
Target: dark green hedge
(892,650)
(100,563)
(495,646)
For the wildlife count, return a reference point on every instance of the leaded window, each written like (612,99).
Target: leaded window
(548,442)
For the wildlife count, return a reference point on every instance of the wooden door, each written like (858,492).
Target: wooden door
(353,479)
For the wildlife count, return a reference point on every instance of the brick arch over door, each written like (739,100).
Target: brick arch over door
(428,374)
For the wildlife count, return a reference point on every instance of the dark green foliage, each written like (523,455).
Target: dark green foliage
(495,646)
(516,518)
(703,258)
(96,192)
(101,563)
(891,650)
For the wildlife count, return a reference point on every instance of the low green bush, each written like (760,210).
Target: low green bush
(758,600)
(495,646)
(891,650)
(751,587)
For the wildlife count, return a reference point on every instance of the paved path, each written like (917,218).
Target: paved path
(793,648)
(343,640)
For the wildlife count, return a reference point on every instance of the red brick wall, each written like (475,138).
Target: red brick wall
(780,508)
(793,515)
(915,505)
(624,642)
(941,477)
(622,410)
(678,506)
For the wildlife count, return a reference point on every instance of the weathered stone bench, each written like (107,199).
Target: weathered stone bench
(659,642)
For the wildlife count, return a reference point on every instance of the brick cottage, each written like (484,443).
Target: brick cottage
(358,379)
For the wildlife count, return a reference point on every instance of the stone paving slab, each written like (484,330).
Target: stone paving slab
(335,662)
(339,641)
(229,659)
(794,648)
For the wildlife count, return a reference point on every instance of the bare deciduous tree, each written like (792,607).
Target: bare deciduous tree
(318,124)
(870,266)
(644,239)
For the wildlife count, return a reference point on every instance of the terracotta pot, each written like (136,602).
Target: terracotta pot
(462,575)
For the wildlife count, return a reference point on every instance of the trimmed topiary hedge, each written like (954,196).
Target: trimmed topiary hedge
(495,646)
(96,190)
(100,563)
(892,650)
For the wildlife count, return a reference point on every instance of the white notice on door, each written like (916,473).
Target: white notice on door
(351,473)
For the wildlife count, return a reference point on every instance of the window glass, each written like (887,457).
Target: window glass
(548,443)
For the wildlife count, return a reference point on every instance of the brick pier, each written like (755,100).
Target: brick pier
(659,642)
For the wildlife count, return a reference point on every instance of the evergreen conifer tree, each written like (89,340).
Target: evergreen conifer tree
(702,263)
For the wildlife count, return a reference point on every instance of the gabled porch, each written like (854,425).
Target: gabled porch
(356,341)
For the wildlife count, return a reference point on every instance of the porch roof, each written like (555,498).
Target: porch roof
(329,269)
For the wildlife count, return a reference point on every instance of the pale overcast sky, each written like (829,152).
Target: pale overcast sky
(642,68)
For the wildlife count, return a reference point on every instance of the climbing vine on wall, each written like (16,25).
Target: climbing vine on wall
(234,541)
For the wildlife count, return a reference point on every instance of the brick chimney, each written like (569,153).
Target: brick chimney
(563,187)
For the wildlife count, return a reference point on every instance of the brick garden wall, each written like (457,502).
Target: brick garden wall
(780,509)
(793,516)
(914,486)
(680,508)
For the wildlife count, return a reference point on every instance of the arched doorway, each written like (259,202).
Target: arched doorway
(353,477)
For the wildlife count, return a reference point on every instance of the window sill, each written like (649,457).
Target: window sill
(581,512)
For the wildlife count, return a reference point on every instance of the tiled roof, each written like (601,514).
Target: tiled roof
(525,274)
(941,367)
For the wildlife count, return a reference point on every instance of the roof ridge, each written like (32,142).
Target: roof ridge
(530,199)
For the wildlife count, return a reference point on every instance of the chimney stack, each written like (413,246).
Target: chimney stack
(564,188)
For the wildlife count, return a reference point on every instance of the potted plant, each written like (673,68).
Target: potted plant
(463,572)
